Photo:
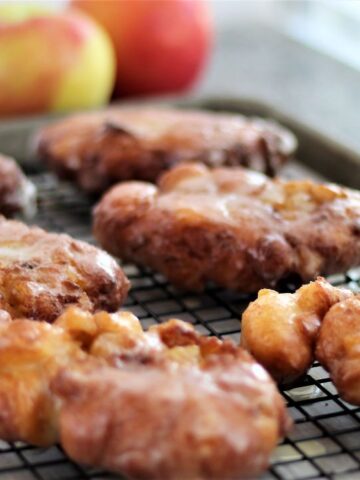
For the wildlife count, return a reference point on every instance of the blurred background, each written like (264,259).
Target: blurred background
(301,57)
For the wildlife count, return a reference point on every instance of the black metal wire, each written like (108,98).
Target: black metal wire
(325,442)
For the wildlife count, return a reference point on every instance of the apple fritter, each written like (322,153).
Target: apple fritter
(338,347)
(42,273)
(234,227)
(99,149)
(17,193)
(280,329)
(285,332)
(167,403)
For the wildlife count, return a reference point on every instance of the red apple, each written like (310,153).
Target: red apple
(52,61)
(161,45)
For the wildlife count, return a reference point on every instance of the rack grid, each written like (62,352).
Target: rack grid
(325,442)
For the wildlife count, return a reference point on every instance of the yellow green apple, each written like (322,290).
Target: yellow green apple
(161,45)
(52,61)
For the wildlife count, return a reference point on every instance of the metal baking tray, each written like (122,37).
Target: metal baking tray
(325,442)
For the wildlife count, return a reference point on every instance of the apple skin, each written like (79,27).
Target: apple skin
(161,45)
(53,62)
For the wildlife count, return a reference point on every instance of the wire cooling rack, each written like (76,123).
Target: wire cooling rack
(325,442)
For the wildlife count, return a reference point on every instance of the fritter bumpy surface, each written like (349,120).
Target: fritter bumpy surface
(17,193)
(285,332)
(42,273)
(31,354)
(281,329)
(338,347)
(99,149)
(234,227)
(134,402)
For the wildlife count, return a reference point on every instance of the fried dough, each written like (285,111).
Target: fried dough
(338,347)
(99,149)
(42,273)
(17,193)
(233,227)
(280,329)
(167,403)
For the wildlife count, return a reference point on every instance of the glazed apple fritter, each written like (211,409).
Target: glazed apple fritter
(42,273)
(99,149)
(280,329)
(163,404)
(338,347)
(234,227)
(17,193)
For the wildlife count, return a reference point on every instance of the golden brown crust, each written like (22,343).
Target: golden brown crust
(99,149)
(285,332)
(17,193)
(181,406)
(31,354)
(42,273)
(280,329)
(163,404)
(234,227)
(338,347)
